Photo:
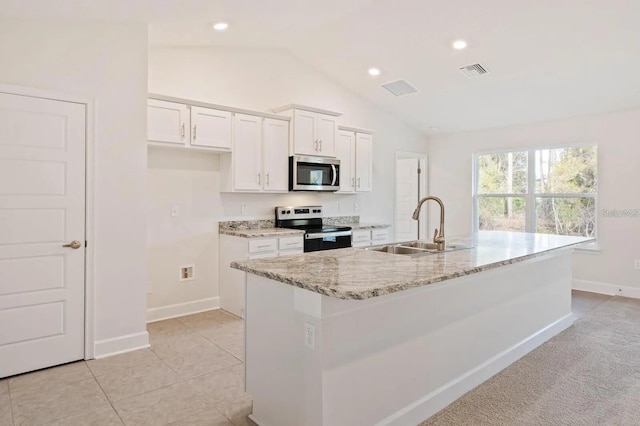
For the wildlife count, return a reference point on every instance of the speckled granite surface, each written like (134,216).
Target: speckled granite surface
(261,232)
(354,273)
(266,227)
(367,225)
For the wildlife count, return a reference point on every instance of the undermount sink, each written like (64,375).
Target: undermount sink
(416,248)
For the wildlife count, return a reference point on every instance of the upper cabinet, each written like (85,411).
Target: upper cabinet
(167,122)
(259,160)
(355,150)
(211,128)
(314,131)
(173,123)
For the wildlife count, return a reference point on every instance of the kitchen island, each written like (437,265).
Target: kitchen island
(354,336)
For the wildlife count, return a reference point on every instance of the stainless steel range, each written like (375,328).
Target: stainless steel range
(317,236)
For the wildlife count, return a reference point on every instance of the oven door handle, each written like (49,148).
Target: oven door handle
(335,175)
(327,235)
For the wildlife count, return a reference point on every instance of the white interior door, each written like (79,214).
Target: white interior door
(42,208)
(407,197)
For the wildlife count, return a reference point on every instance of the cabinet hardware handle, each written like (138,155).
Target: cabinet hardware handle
(358,182)
(292,244)
(353,181)
(320,145)
(315,145)
(195,128)
(268,245)
(258,178)
(267,179)
(183,130)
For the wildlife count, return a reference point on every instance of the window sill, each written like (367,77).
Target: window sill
(588,248)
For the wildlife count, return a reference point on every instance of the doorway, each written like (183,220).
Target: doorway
(42,232)
(410,186)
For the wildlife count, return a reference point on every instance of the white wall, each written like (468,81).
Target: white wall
(255,79)
(106,63)
(618,174)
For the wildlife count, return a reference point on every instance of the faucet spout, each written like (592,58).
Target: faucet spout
(438,237)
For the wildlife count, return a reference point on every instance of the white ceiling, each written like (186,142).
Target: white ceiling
(548,58)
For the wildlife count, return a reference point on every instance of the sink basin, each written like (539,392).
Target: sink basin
(398,249)
(430,246)
(415,248)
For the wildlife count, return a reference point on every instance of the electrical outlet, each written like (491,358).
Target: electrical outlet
(187,273)
(175,211)
(243,209)
(355,207)
(339,207)
(636,264)
(310,335)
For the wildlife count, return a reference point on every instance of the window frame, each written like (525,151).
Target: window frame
(530,196)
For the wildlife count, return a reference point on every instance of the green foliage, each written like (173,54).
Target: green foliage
(557,171)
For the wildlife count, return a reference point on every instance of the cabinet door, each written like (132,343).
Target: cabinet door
(275,148)
(211,128)
(345,151)
(305,141)
(167,122)
(327,131)
(247,155)
(364,162)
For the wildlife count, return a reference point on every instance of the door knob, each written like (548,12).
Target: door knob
(75,244)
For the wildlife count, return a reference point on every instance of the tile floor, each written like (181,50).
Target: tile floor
(192,375)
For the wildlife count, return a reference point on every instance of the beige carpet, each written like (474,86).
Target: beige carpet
(587,375)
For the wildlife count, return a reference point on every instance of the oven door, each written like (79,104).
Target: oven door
(314,174)
(326,240)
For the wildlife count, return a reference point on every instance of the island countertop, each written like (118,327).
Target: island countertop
(355,273)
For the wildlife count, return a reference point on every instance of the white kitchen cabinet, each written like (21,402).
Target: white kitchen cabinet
(314,131)
(346,153)
(211,128)
(369,237)
(259,161)
(232,281)
(247,152)
(364,162)
(354,148)
(275,158)
(167,122)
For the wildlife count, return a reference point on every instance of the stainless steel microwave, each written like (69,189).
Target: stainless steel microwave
(314,174)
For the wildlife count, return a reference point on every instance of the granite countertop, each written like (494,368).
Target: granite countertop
(356,226)
(353,273)
(262,232)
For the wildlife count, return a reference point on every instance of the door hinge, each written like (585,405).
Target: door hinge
(419,170)
(85,243)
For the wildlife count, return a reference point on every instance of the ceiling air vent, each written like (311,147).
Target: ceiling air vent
(400,88)
(475,70)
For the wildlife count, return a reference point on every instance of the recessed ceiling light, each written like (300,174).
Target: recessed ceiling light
(374,71)
(434,128)
(220,26)
(459,44)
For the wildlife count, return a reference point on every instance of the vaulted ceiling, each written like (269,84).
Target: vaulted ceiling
(547,59)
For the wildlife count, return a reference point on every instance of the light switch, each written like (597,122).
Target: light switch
(175,211)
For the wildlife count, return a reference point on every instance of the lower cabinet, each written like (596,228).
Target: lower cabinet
(232,248)
(369,237)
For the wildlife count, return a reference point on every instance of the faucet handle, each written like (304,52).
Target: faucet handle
(435,235)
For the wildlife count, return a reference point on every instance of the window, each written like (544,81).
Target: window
(551,191)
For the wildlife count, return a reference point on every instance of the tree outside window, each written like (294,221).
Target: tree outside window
(549,191)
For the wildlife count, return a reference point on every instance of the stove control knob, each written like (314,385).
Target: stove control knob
(288,211)
(283,212)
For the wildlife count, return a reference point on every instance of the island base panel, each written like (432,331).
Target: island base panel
(398,358)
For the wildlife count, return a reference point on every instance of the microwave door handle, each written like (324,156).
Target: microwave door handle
(335,175)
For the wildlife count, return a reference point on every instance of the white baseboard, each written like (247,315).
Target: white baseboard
(606,288)
(435,401)
(122,344)
(182,309)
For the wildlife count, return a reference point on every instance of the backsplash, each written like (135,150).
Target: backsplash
(270,223)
